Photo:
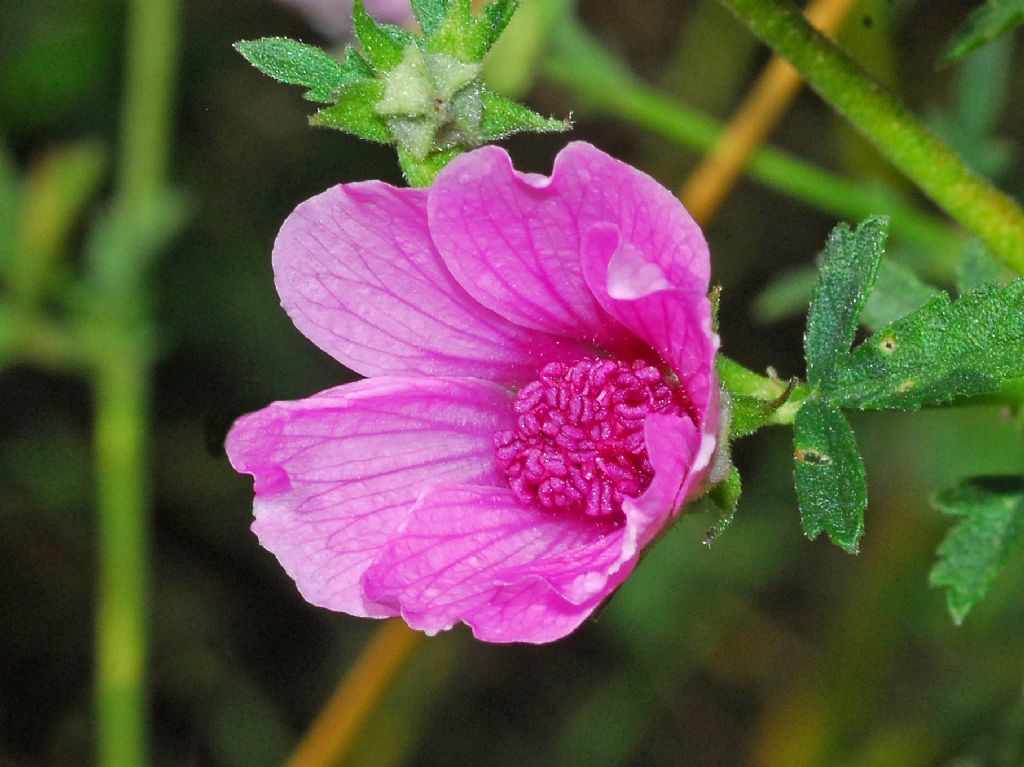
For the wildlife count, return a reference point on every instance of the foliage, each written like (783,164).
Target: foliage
(975,550)
(942,352)
(987,23)
(421,93)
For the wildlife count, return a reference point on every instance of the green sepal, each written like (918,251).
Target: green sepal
(358,67)
(430,14)
(721,501)
(847,276)
(977,547)
(985,24)
(942,352)
(383,44)
(460,34)
(289,61)
(829,475)
(354,112)
(502,117)
(421,172)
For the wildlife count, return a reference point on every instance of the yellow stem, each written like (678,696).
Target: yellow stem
(764,105)
(334,730)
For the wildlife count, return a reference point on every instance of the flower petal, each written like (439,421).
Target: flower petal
(512,572)
(680,455)
(359,275)
(675,321)
(514,240)
(336,474)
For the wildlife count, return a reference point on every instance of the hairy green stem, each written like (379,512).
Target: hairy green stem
(121,381)
(996,219)
(579,62)
(741,381)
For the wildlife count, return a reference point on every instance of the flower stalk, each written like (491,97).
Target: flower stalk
(121,373)
(985,211)
(338,724)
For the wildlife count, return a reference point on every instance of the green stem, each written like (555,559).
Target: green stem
(147,113)
(740,381)
(121,380)
(120,386)
(982,209)
(579,62)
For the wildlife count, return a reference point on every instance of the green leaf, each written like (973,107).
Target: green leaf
(430,14)
(502,117)
(976,549)
(354,112)
(289,61)
(383,44)
(940,353)
(990,21)
(421,173)
(897,293)
(970,122)
(847,276)
(55,194)
(829,475)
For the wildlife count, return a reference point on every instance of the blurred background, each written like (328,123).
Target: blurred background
(762,649)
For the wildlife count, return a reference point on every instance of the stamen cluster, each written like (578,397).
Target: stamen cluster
(578,445)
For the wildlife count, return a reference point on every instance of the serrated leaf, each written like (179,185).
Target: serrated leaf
(942,352)
(421,173)
(502,117)
(383,44)
(975,550)
(985,24)
(430,14)
(897,293)
(847,276)
(289,61)
(354,112)
(829,475)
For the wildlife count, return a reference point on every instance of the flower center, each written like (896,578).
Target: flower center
(578,445)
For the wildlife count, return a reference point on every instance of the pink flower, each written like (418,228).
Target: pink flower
(333,18)
(540,396)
